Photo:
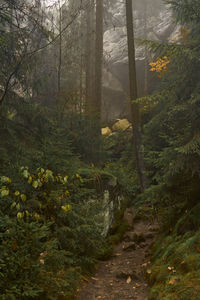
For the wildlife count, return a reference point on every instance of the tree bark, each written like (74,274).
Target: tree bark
(90,57)
(145,50)
(98,59)
(136,122)
(60,47)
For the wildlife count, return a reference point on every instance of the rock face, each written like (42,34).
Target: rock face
(158,26)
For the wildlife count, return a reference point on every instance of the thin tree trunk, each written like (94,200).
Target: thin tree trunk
(98,61)
(145,51)
(60,47)
(90,57)
(133,96)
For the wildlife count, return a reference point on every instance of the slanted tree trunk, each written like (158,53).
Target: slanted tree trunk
(133,96)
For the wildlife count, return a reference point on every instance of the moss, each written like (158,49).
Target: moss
(118,235)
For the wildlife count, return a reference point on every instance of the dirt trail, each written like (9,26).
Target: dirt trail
(122,277)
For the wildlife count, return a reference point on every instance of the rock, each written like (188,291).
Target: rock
(149,236)
(121,125)
(128,216)
(124,274)
(106,131)
(143,245)
(129,236)
(138,238)
(129,246)
(154,228)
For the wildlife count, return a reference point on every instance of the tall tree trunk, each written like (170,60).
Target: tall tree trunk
(90,57)
(133,96)
(60,47)
(145,51)
(94,58)
(98,60)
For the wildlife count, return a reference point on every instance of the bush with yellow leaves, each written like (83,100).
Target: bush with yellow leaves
(48,236)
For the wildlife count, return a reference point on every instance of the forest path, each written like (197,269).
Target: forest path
(122,277)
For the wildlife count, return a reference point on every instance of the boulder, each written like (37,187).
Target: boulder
(129,246)
(121,125)
(106,131)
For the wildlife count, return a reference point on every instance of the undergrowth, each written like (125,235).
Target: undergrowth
(175,270)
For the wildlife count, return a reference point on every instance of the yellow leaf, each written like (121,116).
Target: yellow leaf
(66,208)
(4,191)
(128,280)
(23,197)
(5,179)
(35,184)
(20,215)
(13,205)
(30,179)
(65,179)
(36,216)
(25,173)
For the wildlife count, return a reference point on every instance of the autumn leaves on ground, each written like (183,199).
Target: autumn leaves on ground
(123,276)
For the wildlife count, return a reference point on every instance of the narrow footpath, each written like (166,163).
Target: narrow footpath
(122,277)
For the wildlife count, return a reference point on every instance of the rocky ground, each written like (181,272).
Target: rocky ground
(122,277)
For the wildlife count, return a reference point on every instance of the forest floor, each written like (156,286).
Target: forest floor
(123,276)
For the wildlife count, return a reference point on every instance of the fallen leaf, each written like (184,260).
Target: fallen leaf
(85,279)
(128,280)
(172,281)
(144,265)
(198,249)
(95,278)
(138,284)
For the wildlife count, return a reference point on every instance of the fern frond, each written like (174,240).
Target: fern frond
(192,147)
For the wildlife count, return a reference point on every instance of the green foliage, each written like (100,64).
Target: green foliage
(49,234)
(121,163)
(175,266)
(171,139)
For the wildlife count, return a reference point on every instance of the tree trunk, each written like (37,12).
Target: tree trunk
(98,59)
(90,57)
(60,47)
(145,50)
(133,96)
